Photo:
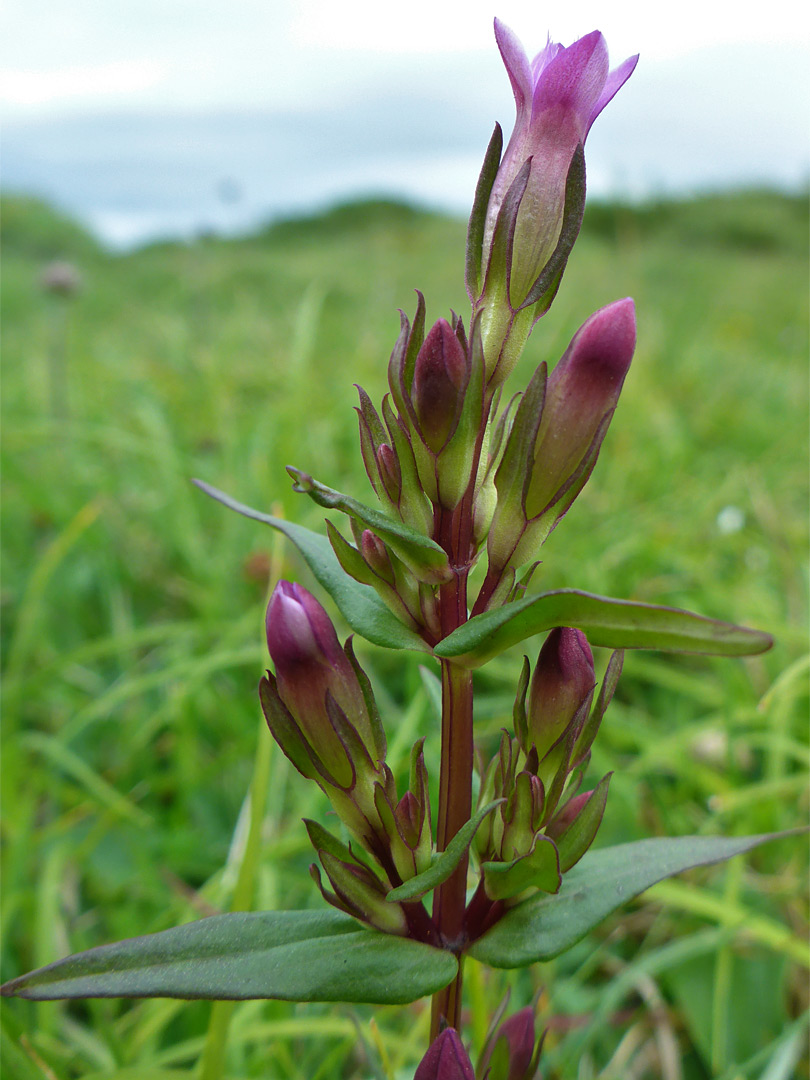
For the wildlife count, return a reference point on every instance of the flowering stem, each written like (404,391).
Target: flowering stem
(455,806)
(455,779)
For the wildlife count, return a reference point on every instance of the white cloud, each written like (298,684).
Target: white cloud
(84,83)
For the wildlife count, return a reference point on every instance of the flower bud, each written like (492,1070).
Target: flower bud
(358,890)
(581,394)
(513,1052)
(311,666)
(446,1059)
(440,378)
(522,816)
(561,687)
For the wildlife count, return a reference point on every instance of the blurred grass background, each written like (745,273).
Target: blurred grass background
(132,621)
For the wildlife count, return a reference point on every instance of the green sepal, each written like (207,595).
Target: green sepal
(359,604)
(478,216)
(604,698)
(363,892)
(580,834)
(445,863)
(455,461)
(353,563)
(545,288)
(286,731)
(519,716)
(414,507)
(286,955)
(612,624)
(542,927)
(498,270)
(539,869)
(423,556)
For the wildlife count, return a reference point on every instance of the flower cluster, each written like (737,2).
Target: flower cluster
(543,826)
(456,476)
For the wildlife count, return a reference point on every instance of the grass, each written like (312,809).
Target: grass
(132,615)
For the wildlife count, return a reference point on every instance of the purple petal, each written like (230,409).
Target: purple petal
(575,78)
(615,81)
(517,66)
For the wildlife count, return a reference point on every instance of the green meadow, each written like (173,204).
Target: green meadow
(132,620)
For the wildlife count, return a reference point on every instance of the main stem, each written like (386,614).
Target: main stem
(455,779)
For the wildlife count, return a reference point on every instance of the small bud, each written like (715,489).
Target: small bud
(446,1059)
(513,1053)
(376,555)
(358,891)
(561,687)
(522,816)
(440,377)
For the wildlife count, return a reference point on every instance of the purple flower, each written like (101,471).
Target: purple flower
(558,95)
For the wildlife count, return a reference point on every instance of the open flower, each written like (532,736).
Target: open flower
(558,96)
(534,206)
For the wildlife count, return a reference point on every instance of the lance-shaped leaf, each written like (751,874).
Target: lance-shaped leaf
(423,556)
(288,955)
(359,605)
(445,863)
(542,927)
(614,624)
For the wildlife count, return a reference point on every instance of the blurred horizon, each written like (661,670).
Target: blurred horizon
(169,121)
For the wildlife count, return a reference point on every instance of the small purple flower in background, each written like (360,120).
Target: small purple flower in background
(558,96)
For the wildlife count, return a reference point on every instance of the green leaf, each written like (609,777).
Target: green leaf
(542,927)
(445,863)
(359,605)
(288,955)
(614,624)
(424,557)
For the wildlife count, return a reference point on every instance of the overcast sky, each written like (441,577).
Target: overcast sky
(715,99)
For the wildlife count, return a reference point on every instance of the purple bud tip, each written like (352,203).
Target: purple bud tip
(439,380)
(602,349)
(563,681)
(518,1031)
(446,1059)
(299,632)
(568,815)
(565,665)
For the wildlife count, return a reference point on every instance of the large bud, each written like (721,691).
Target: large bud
(556,436)
(321,711)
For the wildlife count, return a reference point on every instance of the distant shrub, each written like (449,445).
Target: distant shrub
(363,215)
(29,226)
(754,220)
